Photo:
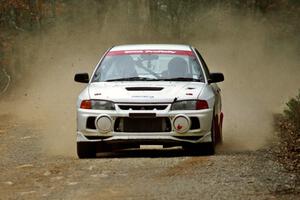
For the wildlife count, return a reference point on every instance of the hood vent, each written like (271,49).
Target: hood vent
(144,88)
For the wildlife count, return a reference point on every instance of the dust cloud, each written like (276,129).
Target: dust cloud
(261,73)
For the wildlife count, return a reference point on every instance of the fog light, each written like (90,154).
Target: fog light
(104,123)
(181,123)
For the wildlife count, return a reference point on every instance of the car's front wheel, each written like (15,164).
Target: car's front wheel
(86,150)
(210,146)
(207,148)
(200,149)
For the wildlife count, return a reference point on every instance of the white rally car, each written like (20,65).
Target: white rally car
(149,95)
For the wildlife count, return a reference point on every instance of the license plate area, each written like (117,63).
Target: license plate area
(142,124)
(142,115)
(151,146)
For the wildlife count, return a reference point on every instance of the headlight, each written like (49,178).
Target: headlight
(190,105)
(102,105)
(97,105)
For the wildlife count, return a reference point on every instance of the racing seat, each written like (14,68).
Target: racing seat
(126,67)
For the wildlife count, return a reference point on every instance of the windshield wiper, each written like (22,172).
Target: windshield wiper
(180,79)
(132,79)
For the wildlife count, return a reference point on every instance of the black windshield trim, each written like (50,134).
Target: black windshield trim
(132,79)
(181,79)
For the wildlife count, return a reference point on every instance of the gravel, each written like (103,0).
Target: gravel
(26,172)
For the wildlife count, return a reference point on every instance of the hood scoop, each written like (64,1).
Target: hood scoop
(144,88)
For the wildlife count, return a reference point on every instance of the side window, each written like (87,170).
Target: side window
(206,70)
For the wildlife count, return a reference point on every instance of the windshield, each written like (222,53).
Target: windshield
(149,65)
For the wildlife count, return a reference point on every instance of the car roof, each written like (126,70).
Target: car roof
(179,47)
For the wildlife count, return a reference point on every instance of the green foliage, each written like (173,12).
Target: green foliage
(143,21)
(289,134)
(292,112)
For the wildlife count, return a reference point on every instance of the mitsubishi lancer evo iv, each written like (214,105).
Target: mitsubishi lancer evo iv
(152,94)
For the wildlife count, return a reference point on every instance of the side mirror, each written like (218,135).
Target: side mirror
(82,78)
(215,77)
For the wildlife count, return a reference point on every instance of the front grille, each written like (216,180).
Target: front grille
(127,124)
(143,107)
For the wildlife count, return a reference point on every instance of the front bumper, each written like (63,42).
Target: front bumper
(194,135)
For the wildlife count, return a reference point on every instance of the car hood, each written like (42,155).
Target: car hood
(136,91)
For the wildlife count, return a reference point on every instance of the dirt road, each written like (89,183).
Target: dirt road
(27,172)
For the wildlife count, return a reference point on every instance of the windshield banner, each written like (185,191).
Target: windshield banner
(130,52)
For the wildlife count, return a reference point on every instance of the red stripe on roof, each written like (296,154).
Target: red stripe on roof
(130,52)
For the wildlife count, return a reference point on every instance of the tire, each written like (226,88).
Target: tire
(193,149)
(207,148)
(221,128)
(200,149)
(86,150)
(210,146)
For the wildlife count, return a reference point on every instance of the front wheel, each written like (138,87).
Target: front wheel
(200,149)
(210,146)
(86,150)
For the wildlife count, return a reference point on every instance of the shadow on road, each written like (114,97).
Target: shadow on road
(150,153)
